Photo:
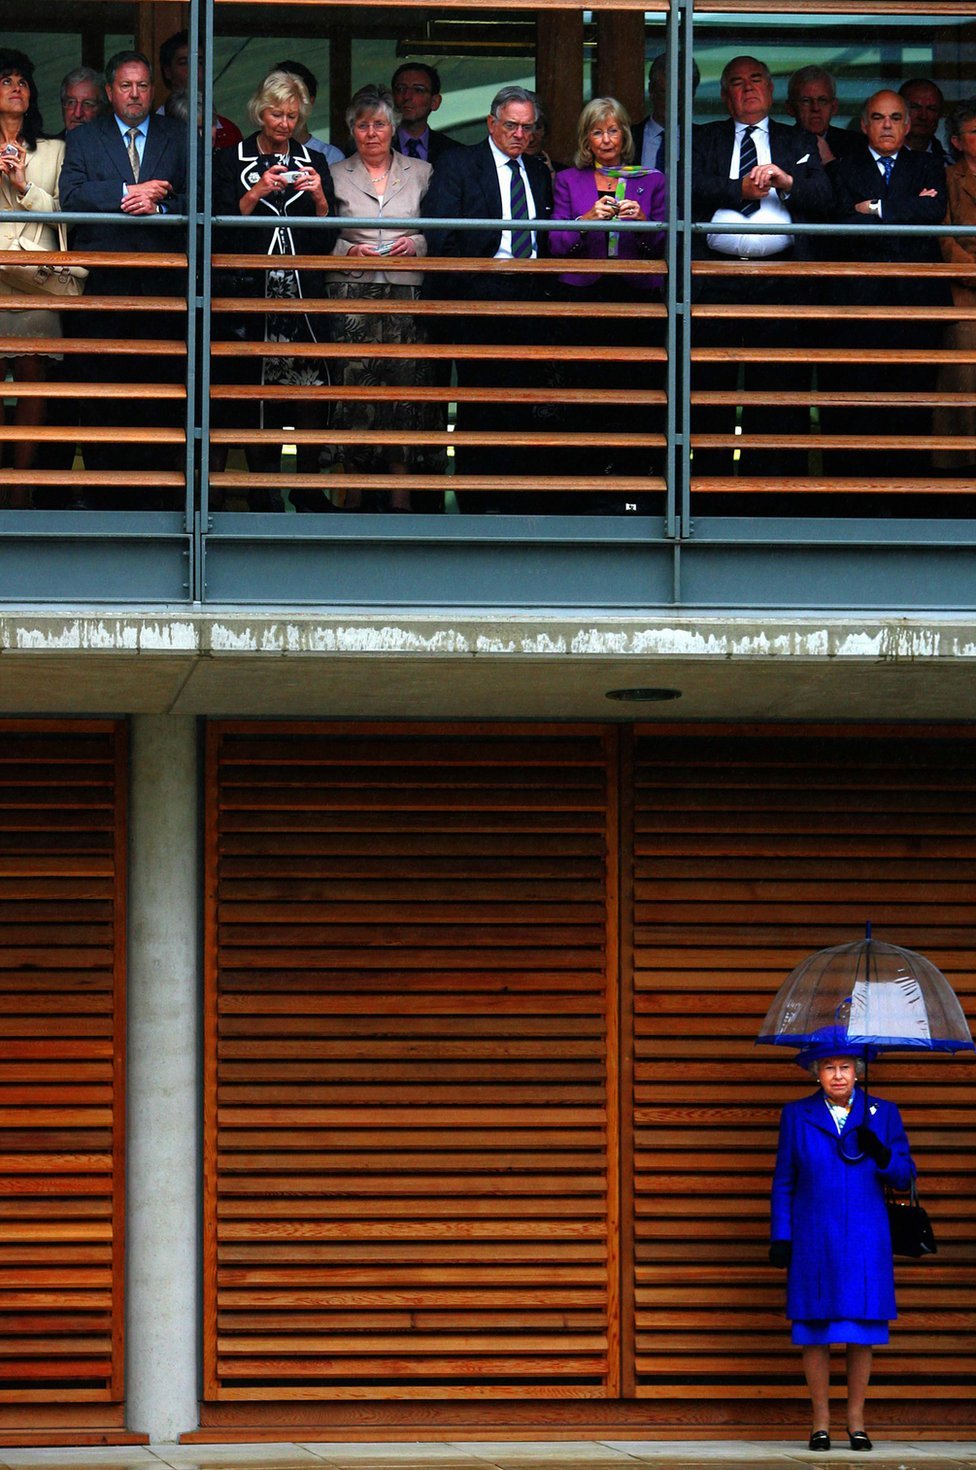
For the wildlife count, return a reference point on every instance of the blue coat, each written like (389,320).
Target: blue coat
(834,1212)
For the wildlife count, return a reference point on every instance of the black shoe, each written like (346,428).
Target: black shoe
(859,1440)
(819,1440)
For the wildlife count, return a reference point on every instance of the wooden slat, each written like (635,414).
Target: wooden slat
(455,1150)
(62,1022)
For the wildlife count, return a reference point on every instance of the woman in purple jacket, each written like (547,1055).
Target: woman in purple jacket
(588,192)
(837,1150)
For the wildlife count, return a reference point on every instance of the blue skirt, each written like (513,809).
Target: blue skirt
(822,1331)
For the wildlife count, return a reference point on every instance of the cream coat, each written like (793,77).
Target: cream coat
(43,169)
(357,198)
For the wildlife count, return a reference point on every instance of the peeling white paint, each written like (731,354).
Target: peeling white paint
(540,636)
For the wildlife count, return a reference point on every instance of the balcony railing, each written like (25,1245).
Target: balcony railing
(644,468)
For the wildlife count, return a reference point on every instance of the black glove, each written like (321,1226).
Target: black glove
(869,1143)
(781,1253)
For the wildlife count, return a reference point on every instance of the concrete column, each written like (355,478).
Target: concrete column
(163,1083)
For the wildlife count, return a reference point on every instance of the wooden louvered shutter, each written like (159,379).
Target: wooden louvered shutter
(62,998)
(411,1047)
(749,852)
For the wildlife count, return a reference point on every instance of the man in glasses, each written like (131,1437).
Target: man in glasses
(416,94)
(82,98)
(493,180)
(812,100)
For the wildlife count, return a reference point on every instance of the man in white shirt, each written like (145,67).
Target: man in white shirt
(650,148)
(493,180)
(753,170)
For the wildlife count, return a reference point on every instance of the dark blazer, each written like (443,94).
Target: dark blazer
(96,165)
(791,149)
(840,140)
(465,186)
(857,177)
(235,171)
(438,144)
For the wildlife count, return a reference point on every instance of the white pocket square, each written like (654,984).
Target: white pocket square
(804,159)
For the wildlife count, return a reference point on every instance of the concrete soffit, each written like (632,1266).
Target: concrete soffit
(542,664)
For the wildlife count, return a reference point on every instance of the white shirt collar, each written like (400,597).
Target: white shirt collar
(141,128)
(502,160)
(762,126)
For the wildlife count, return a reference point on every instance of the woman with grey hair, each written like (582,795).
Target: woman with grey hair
(377,182)
(837,1151)
(271,177)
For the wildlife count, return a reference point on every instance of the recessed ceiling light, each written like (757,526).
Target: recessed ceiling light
(647,695)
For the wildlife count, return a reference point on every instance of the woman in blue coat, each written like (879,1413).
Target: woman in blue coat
(837,1151)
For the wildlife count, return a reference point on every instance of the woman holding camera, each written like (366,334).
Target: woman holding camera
(588,192)
(271,177)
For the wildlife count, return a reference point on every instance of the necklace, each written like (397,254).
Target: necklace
(380,177)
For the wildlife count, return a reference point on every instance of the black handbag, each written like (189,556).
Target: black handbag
(911,1228)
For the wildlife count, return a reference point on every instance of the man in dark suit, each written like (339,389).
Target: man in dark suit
(129,162)
(493,180)
(751,169)
(926,105)
(887,184)
(812,100)
(650,145)
(416,94)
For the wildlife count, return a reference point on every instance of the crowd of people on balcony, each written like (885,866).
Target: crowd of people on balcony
(120,154)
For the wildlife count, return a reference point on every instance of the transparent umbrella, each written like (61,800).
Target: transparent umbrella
(868,997)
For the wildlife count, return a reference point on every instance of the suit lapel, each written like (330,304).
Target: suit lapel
(153,152)
(489,181)
(816,1113)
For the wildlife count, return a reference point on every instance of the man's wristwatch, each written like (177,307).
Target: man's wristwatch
(874,205)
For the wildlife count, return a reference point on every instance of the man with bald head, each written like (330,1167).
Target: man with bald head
(888,184)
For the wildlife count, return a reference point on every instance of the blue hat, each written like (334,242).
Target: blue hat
(831,1041)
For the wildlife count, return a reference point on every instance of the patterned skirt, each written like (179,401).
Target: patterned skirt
(406,372)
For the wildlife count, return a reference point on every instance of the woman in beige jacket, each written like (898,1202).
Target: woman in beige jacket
(374,182)
(29,170)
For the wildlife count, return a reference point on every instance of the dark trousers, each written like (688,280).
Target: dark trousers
(759,378)
(509,414)
(146,454)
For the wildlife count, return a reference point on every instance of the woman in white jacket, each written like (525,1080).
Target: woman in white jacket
(29,170)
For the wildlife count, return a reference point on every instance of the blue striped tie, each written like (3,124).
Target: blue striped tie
(748,158)
(521,239)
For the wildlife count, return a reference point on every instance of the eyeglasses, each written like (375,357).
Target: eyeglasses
(512,128)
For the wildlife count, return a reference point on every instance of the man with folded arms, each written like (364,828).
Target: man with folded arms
(753,170)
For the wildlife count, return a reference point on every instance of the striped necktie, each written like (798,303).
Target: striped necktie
(748,158)
(887,164)
(133,152)
(521,239)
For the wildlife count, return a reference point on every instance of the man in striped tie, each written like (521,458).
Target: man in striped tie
(128,162)
(751,169)
(493,180)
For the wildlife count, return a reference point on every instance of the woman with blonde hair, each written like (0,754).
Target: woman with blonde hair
(596,189)
(270,176)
